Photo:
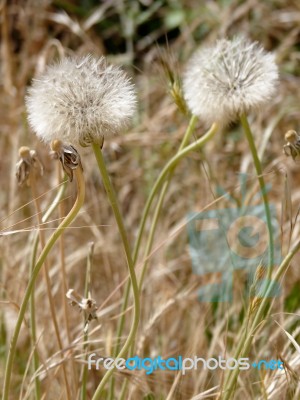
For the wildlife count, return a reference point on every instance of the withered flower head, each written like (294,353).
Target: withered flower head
(68,156)
(292,148)
(29,162)
(86,305)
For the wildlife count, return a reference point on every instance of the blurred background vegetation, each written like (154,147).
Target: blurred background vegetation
(152,39)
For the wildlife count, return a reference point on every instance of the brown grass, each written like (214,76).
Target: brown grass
(173,321)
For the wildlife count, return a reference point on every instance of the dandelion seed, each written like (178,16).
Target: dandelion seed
(80,101)
(225,81)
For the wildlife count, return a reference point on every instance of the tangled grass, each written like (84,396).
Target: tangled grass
(154,40)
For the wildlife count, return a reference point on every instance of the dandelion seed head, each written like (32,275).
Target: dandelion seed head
(229,79)
(80,101)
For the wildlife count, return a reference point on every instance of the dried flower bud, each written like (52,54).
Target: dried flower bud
(80,101)
(28,162)
(292,148)
(68,156)
(87,305)
(229,79)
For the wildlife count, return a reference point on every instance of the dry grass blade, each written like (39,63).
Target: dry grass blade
(186,260)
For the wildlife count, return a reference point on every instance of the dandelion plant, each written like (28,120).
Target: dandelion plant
(82,101)
(224,83)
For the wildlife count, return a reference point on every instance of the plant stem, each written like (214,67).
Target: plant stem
(51,208)
(87,289)
(114,204)
(246,340)
(121,321)
(204,139)
(263,190)
(170,165)
(47,279)
(187,135)
(37,386)
(52,240)
(61,212)
(232,375)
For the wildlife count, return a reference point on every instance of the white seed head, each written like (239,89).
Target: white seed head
(229,79)
(80,101)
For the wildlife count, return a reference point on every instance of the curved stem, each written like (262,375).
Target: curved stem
(172,165)
(187,135)
(205,138)
(52,240)
(114,204)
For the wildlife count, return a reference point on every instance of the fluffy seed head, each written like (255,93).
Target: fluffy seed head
(229,79)
(80,101)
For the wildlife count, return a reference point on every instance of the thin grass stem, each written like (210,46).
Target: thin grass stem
(47,278)
(37,385)
(52,240)
(61,212)
(87,288)
(49,211)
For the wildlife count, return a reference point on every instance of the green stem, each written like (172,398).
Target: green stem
(247,339)
(114,204)
(199,143)
(205,138)
(37,386)
(228,385)
(54,237)
(188,133)
(170,165)
(263,190)
(186,138)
